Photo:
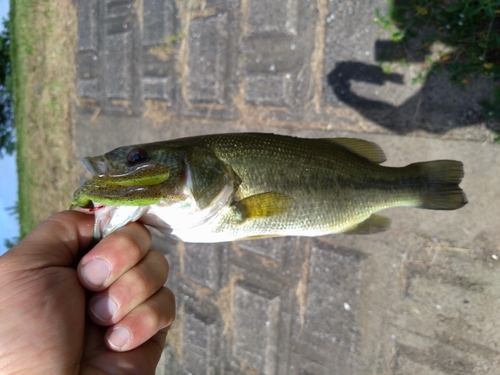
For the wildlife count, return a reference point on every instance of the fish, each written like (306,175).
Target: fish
(227,187)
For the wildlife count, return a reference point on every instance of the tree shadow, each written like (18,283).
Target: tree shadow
(437,107)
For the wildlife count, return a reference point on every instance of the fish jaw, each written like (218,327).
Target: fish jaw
(110,218)
(168,216)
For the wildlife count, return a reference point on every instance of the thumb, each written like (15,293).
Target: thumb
(57,242)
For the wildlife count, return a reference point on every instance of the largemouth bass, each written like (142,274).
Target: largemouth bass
(227,187)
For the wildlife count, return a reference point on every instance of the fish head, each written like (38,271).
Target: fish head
(125,182)
(129,176)
(178,181)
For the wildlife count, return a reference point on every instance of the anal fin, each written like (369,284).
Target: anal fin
(260,237)
(374,224)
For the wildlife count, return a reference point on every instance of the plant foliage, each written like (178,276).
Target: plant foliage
(471,28)
(7,131)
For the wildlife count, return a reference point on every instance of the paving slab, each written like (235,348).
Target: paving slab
(420,298)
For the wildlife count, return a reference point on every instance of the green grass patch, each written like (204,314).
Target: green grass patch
(42,54)
(21,49)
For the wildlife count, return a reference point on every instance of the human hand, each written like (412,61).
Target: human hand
(56,313)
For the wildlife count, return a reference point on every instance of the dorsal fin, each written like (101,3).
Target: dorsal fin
(366,149)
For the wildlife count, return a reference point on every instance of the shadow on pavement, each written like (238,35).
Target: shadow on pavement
(437,107)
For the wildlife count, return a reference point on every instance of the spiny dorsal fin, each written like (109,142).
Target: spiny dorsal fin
(263,205)
(374,224)
(366,149)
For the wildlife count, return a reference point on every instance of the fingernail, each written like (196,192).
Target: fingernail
(103,308)
(96,272)
(119,337)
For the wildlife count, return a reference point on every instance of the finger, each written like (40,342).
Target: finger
(145,321)
(113,256)
(133,288)
(56,242)
(141,360)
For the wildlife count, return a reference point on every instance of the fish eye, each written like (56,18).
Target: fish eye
(137,156)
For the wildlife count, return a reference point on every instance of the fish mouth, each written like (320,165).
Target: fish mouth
(96,165)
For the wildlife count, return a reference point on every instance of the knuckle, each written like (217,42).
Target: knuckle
(126,242)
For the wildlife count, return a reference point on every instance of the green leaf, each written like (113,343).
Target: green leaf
(454,7)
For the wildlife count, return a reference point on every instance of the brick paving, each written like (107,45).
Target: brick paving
(417,299)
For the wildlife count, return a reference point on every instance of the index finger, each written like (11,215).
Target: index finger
(113,256)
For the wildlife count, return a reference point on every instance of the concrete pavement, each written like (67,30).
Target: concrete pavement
(421,298)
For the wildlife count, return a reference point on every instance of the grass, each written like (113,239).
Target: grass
(467,30)
(42,53)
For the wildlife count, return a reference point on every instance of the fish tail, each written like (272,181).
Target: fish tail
(440,190)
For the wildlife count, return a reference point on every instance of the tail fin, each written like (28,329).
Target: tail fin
(441,191)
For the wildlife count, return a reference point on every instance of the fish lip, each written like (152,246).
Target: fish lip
(96,165)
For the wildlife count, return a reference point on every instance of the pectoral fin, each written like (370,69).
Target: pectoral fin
(374,224)
(263,205)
